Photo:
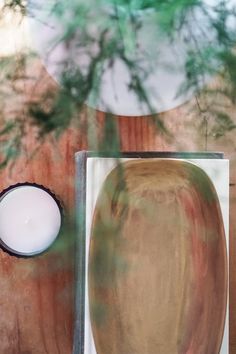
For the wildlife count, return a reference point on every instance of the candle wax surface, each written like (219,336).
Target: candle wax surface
(30,220)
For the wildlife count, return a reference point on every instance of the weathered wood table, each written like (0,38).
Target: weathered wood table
(37,294)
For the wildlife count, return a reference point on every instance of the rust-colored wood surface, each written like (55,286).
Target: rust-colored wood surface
(36,294)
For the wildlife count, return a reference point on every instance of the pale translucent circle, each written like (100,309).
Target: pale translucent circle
(161,59)
(30,220)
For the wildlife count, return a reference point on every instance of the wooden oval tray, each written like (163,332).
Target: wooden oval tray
(157,261)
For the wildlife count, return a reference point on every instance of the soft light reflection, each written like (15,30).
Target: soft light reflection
(14,34)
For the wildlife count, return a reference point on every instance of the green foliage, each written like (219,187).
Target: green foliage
(57,118)
(223,124)
(115,37)
(15,5)
(10,143)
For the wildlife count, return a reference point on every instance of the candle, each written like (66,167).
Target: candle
(30,219)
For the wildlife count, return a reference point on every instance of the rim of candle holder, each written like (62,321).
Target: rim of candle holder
(4,247)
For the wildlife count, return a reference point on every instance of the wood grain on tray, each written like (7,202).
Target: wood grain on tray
(157,263)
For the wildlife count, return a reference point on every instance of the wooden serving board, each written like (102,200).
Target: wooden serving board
(157,264)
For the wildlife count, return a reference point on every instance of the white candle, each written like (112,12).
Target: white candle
(30,220)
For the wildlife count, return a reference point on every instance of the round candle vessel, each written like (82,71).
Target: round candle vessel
(30,219)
